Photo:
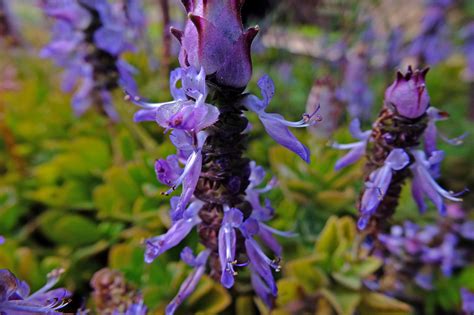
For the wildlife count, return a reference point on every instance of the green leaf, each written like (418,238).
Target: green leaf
(378,304)
(68,229)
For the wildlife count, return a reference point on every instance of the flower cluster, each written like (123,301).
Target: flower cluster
(15,296)
(221,190)
(392,149)
(417,254)
(88,40)
(432,45)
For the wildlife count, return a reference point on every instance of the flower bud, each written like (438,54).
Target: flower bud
(214,38)
(408,93)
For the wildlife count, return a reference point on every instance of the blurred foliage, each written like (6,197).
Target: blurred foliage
(331,279)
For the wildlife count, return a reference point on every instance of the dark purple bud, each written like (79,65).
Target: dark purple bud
(408,93)
(214,38)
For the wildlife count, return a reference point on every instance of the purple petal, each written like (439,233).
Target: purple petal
(281,134)
(352,156)
(158,245)
(188,286)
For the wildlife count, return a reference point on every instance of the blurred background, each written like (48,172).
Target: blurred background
(80,193)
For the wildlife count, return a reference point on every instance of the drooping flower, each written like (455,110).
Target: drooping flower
(275,124)
(214,39)
(15,296)
(88,39)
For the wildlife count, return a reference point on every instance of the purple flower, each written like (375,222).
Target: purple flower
(394,48)
(227,242)
(355,91)
(214,39)
(432,45)
(275,124)
(378,183)
(467,298)
(157,245)
(88,39)
(15,297)
(467,34)
(357,149)
(423,183)
(188,111)
(408,94)
(189,285)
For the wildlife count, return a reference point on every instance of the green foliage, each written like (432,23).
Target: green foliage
(330,279)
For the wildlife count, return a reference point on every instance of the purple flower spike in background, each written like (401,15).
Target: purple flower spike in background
(432,45)
(88,40)
(467,34)
(391,149)
(467,298)
(15,296)
(221,192)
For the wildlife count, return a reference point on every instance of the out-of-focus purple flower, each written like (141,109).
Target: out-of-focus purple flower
(424,185)
(323,96)
(189,285)
(377,185)
(432,45)
(88,39)
(394,51)
(408,93)
(214,38)
(467,298)
(467,34)
(355,91)
(357,149)
(275,124)
(15,296)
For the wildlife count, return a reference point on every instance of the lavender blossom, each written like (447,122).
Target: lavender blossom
(221,190)
(391,149)
(355,91)
(432,45)
(467,298)
(419,254)
(88,40)
(467,34)
(15,296)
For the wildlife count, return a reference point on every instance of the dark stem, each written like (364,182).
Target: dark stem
(471,100)
(225,174)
